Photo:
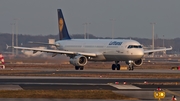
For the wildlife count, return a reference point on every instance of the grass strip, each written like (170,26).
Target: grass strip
(64,94)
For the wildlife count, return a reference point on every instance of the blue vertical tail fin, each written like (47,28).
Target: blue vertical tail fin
(63,32)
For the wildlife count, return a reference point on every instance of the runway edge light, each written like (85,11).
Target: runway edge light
(174,98)
(124,82)
(158,89)
(145,82)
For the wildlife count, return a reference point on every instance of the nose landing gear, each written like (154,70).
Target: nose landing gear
(130,64)
(131,67)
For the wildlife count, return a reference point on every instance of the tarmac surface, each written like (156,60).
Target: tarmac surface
(86,83)
(134,87)
(93,71)
(31,99)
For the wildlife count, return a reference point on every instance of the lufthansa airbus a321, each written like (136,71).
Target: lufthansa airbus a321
(81,51)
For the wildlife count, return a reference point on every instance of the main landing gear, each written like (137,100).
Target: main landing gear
(116,65)
(79,67)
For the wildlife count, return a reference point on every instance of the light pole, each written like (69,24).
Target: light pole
(164,52)
(86,35)
(88,31)
(153,37)
(163,40)
(12,24)
(112,28)
(16,25)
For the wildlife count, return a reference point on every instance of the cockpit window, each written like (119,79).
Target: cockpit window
(134,46)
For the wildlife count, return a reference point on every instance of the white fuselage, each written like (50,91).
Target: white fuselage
(106,49)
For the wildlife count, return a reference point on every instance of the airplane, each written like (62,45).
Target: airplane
(81,51)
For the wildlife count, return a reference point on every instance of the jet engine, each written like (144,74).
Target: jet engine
(138,62)
(78,61)
(135,63)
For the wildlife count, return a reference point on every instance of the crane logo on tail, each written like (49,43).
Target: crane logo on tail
(61,24)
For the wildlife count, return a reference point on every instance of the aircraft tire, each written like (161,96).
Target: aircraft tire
(118,66)
(81,67)
(113,66)
(77,67)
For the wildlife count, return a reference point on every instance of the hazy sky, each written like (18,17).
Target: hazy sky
(132,18)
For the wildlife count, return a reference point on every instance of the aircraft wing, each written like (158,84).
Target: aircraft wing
(54,51)
(156,50)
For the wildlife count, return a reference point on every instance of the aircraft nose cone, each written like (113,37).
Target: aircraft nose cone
(141,52)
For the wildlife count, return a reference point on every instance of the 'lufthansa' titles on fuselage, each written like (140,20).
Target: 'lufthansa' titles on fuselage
(115,43)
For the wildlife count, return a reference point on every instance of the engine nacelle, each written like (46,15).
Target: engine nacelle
(135,63)
(138,62)
(78,61)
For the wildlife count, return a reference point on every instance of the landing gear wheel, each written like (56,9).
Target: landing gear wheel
(118,66)
(81,67)
(76,67)
(113,66)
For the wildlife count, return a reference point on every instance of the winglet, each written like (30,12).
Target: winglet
(7,46)
(170,47)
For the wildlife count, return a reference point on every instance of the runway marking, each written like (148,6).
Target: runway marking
(125,86)
(10,87)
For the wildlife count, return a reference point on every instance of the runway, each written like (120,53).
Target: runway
(94,71)
(95,80)
(40,99)
(86,83)
(134,87)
